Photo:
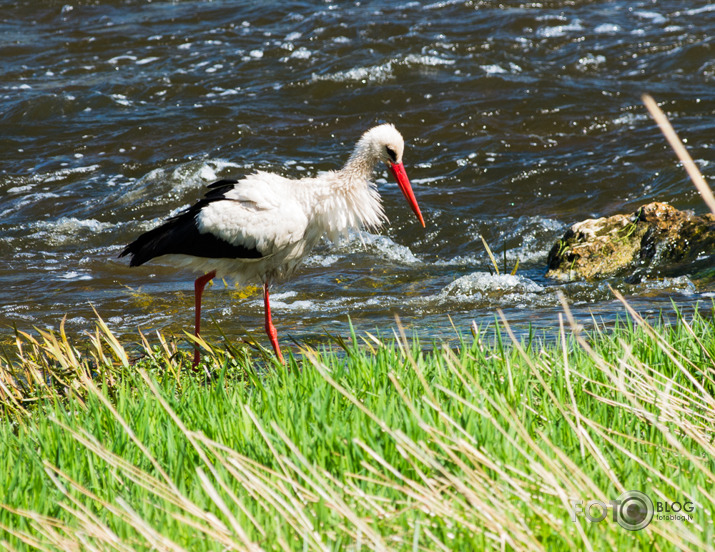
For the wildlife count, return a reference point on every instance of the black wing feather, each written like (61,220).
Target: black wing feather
(180,235)
(223,183)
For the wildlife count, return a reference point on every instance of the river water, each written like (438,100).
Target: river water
(520,119)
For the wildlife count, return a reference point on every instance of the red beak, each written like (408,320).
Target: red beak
(398,171)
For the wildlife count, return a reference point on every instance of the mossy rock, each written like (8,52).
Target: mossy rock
(656,240)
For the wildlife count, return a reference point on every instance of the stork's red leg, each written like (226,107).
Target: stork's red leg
(199,286)
(270,328)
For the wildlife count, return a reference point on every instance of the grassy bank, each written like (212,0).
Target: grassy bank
(379,446)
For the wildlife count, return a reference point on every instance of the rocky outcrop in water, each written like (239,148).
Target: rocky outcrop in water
(656,240)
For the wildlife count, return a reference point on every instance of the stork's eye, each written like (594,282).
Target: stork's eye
(391,153)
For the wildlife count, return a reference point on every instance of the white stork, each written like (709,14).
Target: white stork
(260,228)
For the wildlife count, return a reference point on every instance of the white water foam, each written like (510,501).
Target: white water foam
(559,30)
(681,284)
(383,72)
(160,185)
(538,234)
(67,230)
(62,174)
(429,61)
(372,74)
(363,242)
(479,283)
(74,275)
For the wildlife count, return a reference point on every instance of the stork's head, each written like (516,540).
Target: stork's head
(386,144)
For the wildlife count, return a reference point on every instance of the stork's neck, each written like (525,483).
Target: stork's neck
(348,198)
(360,165)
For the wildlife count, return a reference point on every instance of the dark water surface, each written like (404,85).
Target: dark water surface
(520,119)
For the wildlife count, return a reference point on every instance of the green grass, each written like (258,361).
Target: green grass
(380,445)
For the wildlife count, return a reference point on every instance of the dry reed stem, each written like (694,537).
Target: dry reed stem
(682,153)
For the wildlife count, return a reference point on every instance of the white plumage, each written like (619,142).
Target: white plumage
(259,229)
